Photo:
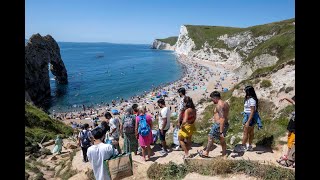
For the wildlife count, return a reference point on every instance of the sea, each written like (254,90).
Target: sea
(101,72)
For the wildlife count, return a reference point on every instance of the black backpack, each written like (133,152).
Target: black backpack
(85,140)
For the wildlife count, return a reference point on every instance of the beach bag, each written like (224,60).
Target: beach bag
(175,136)
(144,128)
(128,125)
(120,166)
(155,135)
(85,141)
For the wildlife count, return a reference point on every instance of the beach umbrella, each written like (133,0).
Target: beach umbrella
(225,89)
(114,111)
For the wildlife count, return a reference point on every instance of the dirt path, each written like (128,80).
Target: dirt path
(262,154)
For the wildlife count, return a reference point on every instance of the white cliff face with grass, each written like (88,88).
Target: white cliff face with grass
(184,43)
(162,45)
(239,46)
(243,42)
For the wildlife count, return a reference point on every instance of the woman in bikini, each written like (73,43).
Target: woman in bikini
(187,126)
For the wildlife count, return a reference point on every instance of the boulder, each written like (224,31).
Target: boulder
(53,158)
(71,146)
(45,151)
(51,142)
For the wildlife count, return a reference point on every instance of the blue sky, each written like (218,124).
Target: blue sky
(142,21)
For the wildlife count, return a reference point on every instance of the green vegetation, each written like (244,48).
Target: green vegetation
(170,40)
(280,45)
(39,125)
(272,128)
(288,89)
(202,34)
(270,28)
(218,166)
(265,83)
(256,81)
(261,72)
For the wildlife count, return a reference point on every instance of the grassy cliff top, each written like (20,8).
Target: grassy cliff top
(38,124)
(170,40)
(201,34)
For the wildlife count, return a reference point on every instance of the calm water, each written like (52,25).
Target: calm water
(103,71)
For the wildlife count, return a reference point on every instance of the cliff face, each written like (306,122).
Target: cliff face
(237,47)
(251,52)
(39,52)
(157,44)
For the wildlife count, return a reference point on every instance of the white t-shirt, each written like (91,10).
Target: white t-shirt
(249,103)
(165,113)
(96,155)
(84,131)
(181,104)
(114,124)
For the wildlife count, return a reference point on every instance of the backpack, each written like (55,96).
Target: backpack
(128,124)
(85,140)
(144,128)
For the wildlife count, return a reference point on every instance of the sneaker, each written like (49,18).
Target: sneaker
(249,148)
(178,148)
(139,150)
(243,148)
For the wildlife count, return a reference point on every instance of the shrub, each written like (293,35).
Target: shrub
(38,125)
(218,166)
(265,83)
(256,81)
(288,89)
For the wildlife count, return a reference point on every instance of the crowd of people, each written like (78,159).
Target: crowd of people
(135,127)
(136,117)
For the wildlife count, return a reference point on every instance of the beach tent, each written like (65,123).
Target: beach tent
(114,111)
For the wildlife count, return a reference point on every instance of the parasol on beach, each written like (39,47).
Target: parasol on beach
(114,111)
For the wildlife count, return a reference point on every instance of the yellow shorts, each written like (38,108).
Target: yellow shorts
(291,139)
(186,130)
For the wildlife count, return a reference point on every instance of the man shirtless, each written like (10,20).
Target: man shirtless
(219,128)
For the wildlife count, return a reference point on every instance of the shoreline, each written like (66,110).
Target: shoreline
(199,78)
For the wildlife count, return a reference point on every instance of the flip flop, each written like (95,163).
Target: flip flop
(201,154)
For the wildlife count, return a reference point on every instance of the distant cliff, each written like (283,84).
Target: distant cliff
(39,52)
(165,44)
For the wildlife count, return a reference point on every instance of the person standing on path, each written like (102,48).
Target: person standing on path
(114,125)
(144,141)
(127,131)
(251,117)
(85,140)
(98,153)
(291,130)
(164,124)
(187,126)
(220,127)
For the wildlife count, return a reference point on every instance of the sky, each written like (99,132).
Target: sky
(142,21)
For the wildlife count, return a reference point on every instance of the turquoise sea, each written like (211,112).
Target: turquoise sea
(101,72)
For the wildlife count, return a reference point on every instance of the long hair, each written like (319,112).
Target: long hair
(250,93)
(188,103)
